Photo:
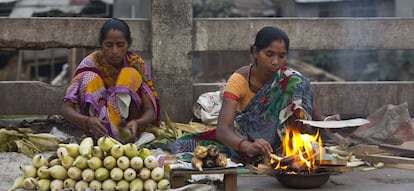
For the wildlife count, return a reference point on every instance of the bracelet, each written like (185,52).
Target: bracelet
(239,145)
(85,125)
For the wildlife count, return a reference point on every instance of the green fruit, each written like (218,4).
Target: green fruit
(164,184)
(136,163)
(56,185)
(130,174)
(43,173)
(43,185)
(88,175)
(151,162)
(75,173)
(117,151)
(116,174)
(136,185)
(69,183)
(81,185)
(58,172)
(130,150)
(29,171)
(108,184)
(29,183)
(109,162)
(81,162)
(72,148)
(18,183)
(122,185)
(95,185)
(101,174)
(39,161)
(122,162)
(157,173)
(94,163)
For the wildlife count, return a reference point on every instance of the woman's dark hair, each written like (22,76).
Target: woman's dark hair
(266,36)
(117,24)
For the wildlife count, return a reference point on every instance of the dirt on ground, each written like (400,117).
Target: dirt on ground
(11,161)
(9,168)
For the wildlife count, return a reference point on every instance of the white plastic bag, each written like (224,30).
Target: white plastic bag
(208,106)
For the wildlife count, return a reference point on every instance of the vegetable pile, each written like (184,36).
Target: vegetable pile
(109,165)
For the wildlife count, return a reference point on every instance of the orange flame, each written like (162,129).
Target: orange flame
(305,149)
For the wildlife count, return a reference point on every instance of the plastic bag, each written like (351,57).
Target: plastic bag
(208,106)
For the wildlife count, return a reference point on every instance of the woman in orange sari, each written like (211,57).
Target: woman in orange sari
(111,90)
(260,101)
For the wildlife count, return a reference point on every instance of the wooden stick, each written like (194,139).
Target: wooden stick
(265,169)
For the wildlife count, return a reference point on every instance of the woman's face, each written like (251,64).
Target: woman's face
(115,47)
(273,57)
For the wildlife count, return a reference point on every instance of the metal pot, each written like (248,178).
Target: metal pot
(312,180)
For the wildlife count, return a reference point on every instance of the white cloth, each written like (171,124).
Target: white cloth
(124,101)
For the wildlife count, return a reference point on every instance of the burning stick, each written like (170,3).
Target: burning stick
(283,161)
(298,161)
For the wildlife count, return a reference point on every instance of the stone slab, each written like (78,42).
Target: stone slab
(42,33)
(307,33)
(30,98)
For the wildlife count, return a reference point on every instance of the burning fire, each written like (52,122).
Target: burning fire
(300,151)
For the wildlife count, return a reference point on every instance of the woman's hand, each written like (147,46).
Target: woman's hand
(133,127)
(95,125)
(335,117)
(259,146)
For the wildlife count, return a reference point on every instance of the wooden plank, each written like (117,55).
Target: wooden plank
(177,172)
(406,147)
(401,166)
(387,159)
(363,149)
(230,182)
(337,168)
(177,177)
(336,162)
(177,181)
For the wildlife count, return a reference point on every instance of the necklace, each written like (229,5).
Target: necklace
(248,79)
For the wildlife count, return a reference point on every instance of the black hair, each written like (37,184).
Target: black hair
(266,36)
(117,24)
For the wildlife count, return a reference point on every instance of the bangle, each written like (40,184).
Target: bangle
(239,145)
(85,125)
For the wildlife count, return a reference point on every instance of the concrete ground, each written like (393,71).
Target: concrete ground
(383,179)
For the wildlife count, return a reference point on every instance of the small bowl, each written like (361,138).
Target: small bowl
(303,181)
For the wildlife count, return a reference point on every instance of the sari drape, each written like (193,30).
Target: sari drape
(288,93)
(97,87)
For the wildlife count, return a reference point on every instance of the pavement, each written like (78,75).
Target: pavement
(376,180)
(381,179)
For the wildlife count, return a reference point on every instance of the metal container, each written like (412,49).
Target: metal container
(303,181)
